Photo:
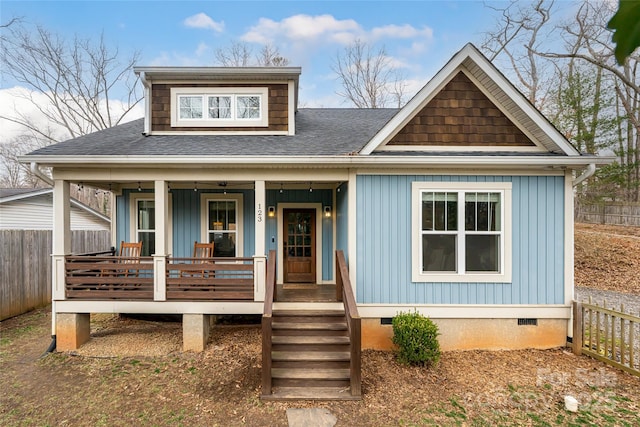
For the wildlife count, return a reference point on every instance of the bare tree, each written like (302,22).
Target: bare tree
(79,79)
(270,56)
(523,26)
(237,54)
(591,99)
(86,86)
(240,54)
(369,78)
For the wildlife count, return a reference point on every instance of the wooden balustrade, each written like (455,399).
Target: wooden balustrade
(343,285)
(267,319)
(210,279)
(108,277)
(94,277)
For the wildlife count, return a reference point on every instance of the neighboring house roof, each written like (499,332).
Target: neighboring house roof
(28,208)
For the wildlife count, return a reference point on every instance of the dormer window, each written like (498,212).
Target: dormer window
(219,107)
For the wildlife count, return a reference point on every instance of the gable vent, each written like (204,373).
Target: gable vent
(527,322)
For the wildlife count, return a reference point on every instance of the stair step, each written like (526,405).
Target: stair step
(331,326)
(307,313)
(304,339)
(311,374)
(308,393)
(310,356)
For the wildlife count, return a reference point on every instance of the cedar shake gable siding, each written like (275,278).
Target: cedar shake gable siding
(460,115)
(278,107)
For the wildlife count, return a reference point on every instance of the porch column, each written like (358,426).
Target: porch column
(260,236)
(61,236)
(161,198)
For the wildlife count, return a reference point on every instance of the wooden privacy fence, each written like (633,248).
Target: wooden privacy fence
(612,213)
(608,335)
(25,266)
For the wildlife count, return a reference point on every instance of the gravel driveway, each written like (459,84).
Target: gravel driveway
(613,299)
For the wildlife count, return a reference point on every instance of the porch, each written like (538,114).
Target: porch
(104,276)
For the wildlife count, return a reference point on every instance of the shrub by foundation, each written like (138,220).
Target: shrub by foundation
(416,338)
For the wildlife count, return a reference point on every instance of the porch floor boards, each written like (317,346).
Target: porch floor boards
(305,293)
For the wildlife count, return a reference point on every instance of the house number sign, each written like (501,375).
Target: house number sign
(259,213)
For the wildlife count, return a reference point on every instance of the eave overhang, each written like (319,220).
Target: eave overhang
(397,161)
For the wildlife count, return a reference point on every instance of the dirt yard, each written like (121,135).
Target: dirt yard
(148,381)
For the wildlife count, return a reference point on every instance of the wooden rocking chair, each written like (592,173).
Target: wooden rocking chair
(132,251)
(201,251)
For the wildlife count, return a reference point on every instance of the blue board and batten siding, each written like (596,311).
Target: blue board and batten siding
(321,196)
(186,220)
(384,244)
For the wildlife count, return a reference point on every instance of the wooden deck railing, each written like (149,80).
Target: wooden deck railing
(108,277)
(267,319)
(608,335)
(343,283)
(96,277)
(210,279)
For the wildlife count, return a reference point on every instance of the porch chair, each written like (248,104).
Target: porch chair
(201,251)
(132,251)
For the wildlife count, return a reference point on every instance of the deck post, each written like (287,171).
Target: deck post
(577,328)
(61,236)
(161,200)
(196,329)
(259,277)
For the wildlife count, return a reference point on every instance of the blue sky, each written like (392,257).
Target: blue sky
(419,36)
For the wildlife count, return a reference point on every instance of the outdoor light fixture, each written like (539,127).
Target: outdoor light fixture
(310,188)
(139,188)
(327,211)
(271,211)
(281,188)
(195,186)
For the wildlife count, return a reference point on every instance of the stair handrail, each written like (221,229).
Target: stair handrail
(345,293)
(269,296)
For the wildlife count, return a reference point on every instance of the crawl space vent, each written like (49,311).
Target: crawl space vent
(527,322)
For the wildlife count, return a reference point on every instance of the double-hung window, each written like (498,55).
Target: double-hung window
(219,107)
(146,225)
(461,232)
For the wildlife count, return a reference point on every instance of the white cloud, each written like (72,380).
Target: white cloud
(301,28)
(405,31)
(326,28)
(202,20)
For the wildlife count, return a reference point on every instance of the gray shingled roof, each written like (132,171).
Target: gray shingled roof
(9,192)
(319,132)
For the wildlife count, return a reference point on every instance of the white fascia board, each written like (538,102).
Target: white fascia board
(26,195)
(92,211)
(215,73)
(159,307)
(497,162)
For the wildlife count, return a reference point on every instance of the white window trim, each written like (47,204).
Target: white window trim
(133,217)
(417,275)
(205,198)
(262,92)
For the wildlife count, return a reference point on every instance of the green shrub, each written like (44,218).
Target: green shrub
(416,337)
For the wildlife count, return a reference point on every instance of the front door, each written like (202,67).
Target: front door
(299,245)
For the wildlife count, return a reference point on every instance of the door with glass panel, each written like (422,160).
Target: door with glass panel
(299,245)
(146,225)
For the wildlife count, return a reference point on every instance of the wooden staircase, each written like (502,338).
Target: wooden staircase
(310,355)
